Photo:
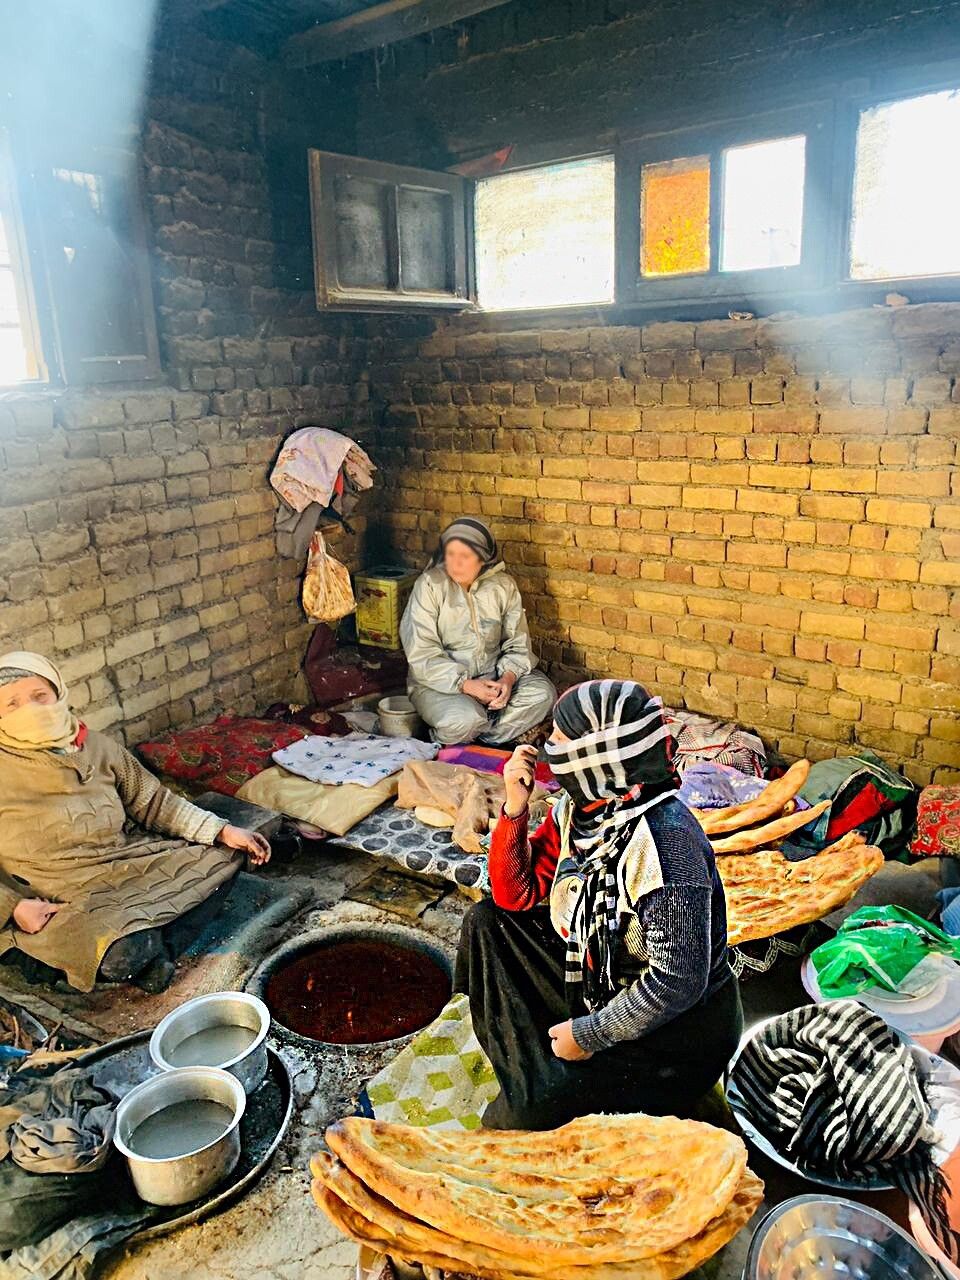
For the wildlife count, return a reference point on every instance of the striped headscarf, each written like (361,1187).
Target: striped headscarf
(617,765)
(477,536)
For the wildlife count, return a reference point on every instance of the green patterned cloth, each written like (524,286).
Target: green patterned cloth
(442,1079)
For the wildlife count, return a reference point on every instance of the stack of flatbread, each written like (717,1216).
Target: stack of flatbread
(766,893)
(630,1197)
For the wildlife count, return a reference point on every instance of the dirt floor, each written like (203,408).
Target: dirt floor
(275,1232)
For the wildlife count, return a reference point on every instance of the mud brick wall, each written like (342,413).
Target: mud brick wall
(572,69)
(136,523)
(759,520)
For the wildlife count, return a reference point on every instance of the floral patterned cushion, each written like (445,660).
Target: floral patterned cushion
(938,823)
(220,756)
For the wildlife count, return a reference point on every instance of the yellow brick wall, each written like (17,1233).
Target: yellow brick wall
(757,519)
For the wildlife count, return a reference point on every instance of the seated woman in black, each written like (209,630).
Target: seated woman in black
(598,976)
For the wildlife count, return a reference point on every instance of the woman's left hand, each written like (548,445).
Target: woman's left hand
(249,842)
(563,1044)
(505,686)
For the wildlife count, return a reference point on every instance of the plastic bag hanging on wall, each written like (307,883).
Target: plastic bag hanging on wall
(327,593)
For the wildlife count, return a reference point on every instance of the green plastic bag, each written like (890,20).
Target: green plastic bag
(878,947)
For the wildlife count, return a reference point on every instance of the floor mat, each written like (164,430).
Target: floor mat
(396,835)
(389,890)
(220,959)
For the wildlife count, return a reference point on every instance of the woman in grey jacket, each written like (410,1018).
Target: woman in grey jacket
(472,671)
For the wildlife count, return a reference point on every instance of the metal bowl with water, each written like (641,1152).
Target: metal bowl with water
(180,1133)
(227,1029)
(816,1237)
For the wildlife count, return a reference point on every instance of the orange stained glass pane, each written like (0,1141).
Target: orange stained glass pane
(675,217)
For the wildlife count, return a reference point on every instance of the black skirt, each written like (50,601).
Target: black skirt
(511,965)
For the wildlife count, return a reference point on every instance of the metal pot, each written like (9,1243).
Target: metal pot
(816,1237)
(190,1174)
(222,1009)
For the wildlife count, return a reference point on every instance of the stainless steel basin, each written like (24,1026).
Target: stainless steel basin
(816,1237)
(227,1029)
(180,1133)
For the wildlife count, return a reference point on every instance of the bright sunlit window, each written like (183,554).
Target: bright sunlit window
(14,360)
(762,220)
(906,191)
(545,236)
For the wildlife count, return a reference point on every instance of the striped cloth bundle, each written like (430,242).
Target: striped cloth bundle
(836,1091)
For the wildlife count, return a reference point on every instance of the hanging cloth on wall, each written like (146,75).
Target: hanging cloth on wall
(317,472)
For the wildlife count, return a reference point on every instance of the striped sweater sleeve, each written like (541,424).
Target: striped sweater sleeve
(676,930)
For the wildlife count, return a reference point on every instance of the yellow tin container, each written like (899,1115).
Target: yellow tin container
(382,594)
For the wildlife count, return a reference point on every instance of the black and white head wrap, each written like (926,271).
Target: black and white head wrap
(837,1091)
(618,741)
(477,536)
(617,764)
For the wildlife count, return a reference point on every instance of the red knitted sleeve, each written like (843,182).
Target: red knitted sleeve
(521,870)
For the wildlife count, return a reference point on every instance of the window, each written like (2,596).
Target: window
(675,217)
(386,235)
(763,204)
(74,264)
(545,236)
(90,210)
(19,349)
(729,212)
(906,190)
(811,205)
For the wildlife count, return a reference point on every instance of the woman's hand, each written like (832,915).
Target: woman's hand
(563,1044)
(30,915)
(504,688)
(250,842)
(484,691)
(518,779)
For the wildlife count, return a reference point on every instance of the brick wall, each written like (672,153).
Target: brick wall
(760,520)
(578,69)
(136,524)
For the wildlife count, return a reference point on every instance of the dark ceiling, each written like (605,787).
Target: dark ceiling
(306,32)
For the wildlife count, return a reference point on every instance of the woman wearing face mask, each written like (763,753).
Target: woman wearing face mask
(598,976)
(472,671)
(77,893)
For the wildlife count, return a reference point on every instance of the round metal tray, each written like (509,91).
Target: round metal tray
(126,1062)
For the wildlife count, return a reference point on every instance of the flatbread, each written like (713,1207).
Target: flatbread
(433,817)
(768,833)
(599,1189)
(767,804)
(766,894)
(399,1236)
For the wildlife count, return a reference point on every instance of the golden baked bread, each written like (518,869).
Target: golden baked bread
(767,804)
(388,1230)
(766,894)
(599,1189)
(768,833)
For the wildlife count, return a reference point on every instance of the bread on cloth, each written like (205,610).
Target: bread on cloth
(603,1198)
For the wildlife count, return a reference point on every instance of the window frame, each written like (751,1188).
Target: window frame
(85,370)
(521,162)
(324,167)
(827,114)
(899,87)
(814,121)
(23,264)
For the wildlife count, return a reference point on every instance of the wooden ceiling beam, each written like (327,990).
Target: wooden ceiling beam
(382,24)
